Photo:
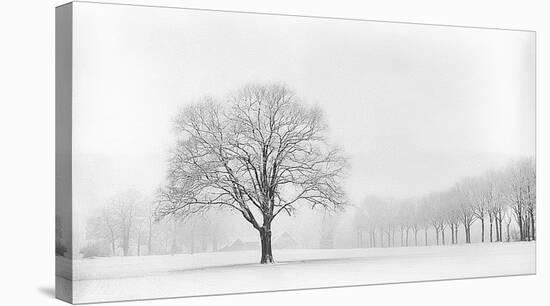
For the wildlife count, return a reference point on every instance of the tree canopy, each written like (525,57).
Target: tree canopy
(260,152)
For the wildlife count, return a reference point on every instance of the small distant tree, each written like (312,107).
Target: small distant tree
(415,219)
(403,219)
(518,187)
(477,191)
(424,216)
(103,227)
(460,196)
(433,210)
(529,173)
(508,221)
(360,225)
(328,225)
(117,221)
(371,214)
(124,210)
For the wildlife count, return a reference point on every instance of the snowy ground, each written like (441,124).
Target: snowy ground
(129,278)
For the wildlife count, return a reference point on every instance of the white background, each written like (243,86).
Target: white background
(27,153)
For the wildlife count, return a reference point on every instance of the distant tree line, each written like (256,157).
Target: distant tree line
(128,225)
(502,202)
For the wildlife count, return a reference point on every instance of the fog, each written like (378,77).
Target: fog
(415,108)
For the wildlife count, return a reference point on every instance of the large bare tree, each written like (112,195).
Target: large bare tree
(259,152)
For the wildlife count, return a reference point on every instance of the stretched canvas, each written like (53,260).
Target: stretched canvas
(204,152)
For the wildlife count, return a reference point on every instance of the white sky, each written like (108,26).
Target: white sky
(415,107)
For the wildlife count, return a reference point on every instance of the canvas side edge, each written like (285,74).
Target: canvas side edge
(63,152)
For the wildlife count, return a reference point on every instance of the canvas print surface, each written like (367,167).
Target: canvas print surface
(205,152)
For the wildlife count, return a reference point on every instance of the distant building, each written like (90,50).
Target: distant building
(239,245)
(285,241)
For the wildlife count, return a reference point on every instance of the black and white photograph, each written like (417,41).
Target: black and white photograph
(205,152)
(274,153)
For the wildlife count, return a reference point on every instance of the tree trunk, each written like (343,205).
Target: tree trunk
(497,239)
(452,234)
(138,245)
(532,218)
(519,219)
(426,236)
(265,238)
(466,233)
(443,235)
(113,246)
(491,229)
(174,238)
(500,222)
(482,229)
(149,239)
(527,229)
(456,233)
(453,239)
(500,230)
(371,239)
(126,243)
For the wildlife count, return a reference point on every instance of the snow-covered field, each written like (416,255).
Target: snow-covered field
(129,278)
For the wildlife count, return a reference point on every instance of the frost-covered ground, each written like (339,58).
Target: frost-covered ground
(128,278)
